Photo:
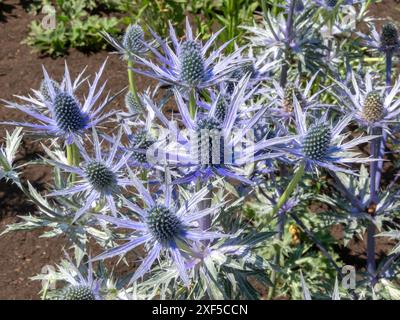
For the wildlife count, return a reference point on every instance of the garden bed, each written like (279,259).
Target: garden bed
(23,254)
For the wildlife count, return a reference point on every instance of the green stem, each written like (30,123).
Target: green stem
(73,158)
(233,18)
(281,221)
(275,7)
(289,190)
(132,84)
(144,176)
(70,154)
(192,104)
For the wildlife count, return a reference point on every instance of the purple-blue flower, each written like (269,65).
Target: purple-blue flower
(369,103)
(132,43)
(321,145)
(189,63)
(387,41)
(60,114)
(213,147)
(81,285)
(332,4)
(164,226)
(101,176)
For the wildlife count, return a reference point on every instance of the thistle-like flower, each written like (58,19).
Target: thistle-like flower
(101,176)
(299,6)
(188,63)
(386,41)
(131,103)
(81,281)
(133,42)
(321,145)
(369,103)
(45,90)
(63,115)
(390,36)
(333,4)
(164,225)
(40,96)
(211,147)
(258,69)
(284,98)
(272,37)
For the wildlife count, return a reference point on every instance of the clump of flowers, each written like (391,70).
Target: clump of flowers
(211,178)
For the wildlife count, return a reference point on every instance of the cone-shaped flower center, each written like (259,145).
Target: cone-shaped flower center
(78,293)
(192,63)
(239,74)
(299,6)
(289,92)
(68,114)
(220,111)
(141,142)
(101,177)
(210,142)
(133,40)
(317,141)
(163,224)
(331,3)
(389,36)
(261,128)
(44,89)
(373,107)
(132,104)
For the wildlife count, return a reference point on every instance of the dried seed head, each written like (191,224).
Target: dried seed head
(78,293)
(101,177)
(389,36)
(141,142)
(44,89)
(192,63)
(317,141)
(289,92)
(133,40)
(210,142)
(132,104)
(163,224)
(373,107)
(68,114)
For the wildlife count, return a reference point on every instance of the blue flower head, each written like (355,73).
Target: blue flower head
(59,113)
(188,63)
(164,225)
(320,145)
(101,176)
(212,146)
(133,42)
(369,102)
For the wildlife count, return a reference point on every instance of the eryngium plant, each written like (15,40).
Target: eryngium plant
(212,179)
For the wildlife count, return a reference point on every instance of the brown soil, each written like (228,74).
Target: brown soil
(23,254)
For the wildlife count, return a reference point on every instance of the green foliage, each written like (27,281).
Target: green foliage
(206,15)
(76,27)
(78,22)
